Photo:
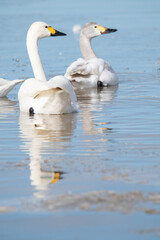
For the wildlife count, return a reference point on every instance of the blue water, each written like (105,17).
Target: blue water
(107,156)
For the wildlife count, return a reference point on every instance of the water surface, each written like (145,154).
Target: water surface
(94,173)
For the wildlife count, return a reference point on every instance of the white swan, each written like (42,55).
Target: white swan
(37,95)
(91,71)
(6,86)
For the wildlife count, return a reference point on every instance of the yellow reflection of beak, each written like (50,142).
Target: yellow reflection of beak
(56,177)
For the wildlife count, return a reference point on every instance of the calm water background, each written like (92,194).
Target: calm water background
(94,174)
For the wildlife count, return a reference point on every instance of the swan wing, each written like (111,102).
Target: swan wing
(27,91)
(53,97)
(79,68)
(64,84)
(83,67)
(53,101)
(67,93)
(6,86)
(46,93)
(86,74)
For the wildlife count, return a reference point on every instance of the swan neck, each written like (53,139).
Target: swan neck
(86,48)
(32,48)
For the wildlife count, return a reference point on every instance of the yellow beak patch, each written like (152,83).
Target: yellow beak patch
(101,28)
(52,30)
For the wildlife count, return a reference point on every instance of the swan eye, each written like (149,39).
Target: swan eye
(95,26)
(46,26)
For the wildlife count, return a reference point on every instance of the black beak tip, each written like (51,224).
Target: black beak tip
(110,30)
(61,33)
(58,33)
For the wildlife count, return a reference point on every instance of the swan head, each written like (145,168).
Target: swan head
(41,30)
(92,29)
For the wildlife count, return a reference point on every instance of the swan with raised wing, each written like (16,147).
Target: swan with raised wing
(37,95)
(91,71)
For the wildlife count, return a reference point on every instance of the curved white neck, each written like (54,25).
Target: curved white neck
(86,48)
(32,47)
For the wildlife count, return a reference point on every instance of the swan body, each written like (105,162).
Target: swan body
(55,96)
(90,71)
(6,86)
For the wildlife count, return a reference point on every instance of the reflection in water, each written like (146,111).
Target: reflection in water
(6,106)
(38,132)
(95,100)
(96,95)
(51,133)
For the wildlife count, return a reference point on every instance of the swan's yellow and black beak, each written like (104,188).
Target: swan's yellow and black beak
(104,30)
(54,32)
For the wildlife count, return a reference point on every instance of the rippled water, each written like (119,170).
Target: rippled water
(93,174)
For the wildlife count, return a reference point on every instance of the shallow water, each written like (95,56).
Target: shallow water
(95,173)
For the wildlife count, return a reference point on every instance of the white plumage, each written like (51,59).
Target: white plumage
(6,86)
(90,71)
(55,96)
